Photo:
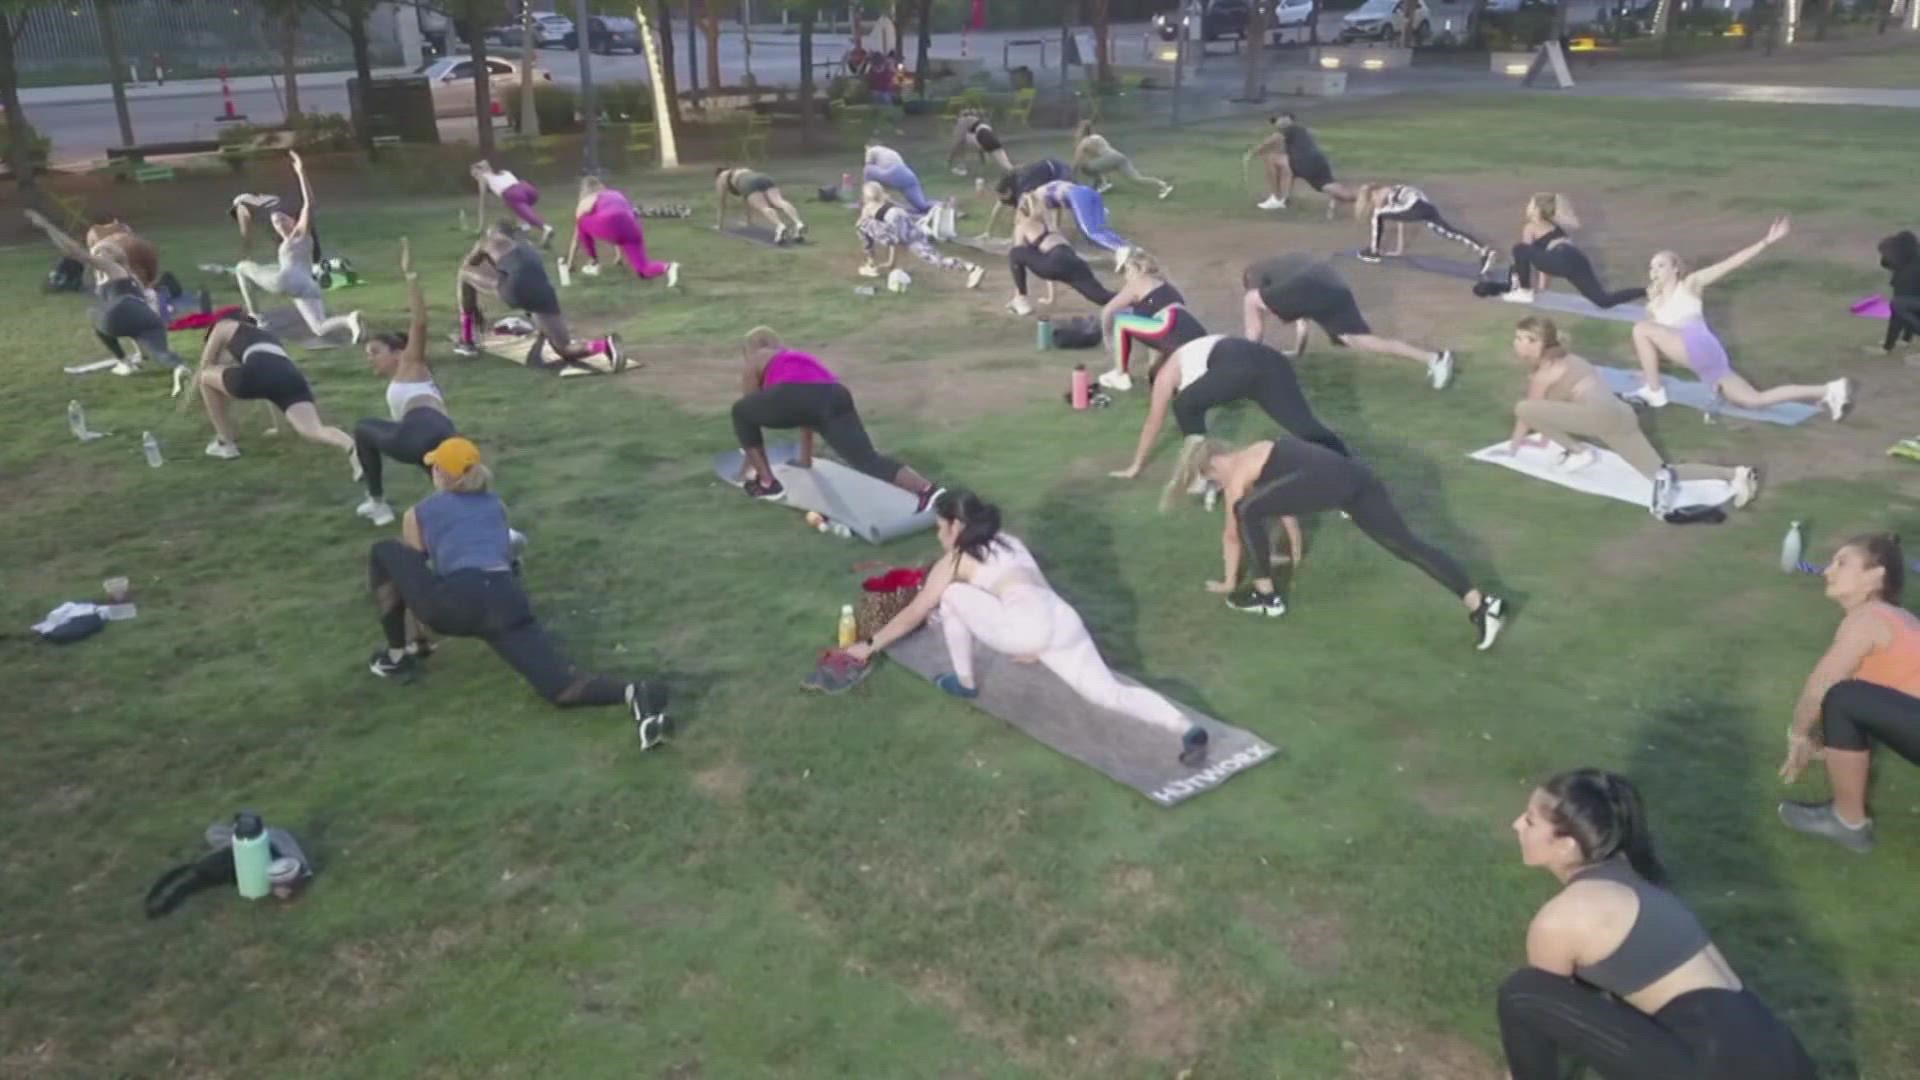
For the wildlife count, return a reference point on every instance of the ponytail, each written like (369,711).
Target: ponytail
(1604,815)
(979,522)
(1195,453)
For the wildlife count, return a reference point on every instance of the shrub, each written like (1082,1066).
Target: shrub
(623,102)
(39,146)
(316,132)
(557,108)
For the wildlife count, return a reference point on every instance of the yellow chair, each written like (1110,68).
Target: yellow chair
(753,139)
(1022,108)
(641,140)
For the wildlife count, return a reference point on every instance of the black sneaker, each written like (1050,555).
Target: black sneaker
(648,703)
(766,490)
(1257,603)
(1193,747)
(1367,255)
(384,665)
(928,497)
(1488,620)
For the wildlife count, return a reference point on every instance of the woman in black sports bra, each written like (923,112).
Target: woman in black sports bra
(241,362)
(1654,1002)
(758,192)
(1048,256)
(1545,248)
(1148,310)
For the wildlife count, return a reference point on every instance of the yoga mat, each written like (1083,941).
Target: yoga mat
(287,325)
(992,245)
(759,234)
(1696,395)
(1432,264)
(1563,303)
(1610,476)
(88,369)
(1139,755)
(1872,307)
(516,347)
(874,510)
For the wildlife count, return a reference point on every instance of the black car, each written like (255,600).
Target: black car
(1218,19)
(607,34)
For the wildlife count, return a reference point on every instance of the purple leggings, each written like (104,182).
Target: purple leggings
(613,220)
(520,199)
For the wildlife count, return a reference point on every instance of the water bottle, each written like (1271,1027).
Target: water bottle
(1081,387)
(77,420)
(846,183)
(864,290)
(251,853)
(839,530)
(151,447)
(849,628)
(1043,335)
(566,272)
(1790,549)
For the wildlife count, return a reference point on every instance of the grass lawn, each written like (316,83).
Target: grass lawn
(890,884)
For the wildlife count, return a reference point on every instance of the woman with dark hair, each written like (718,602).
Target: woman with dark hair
(452,570)
(1015,185)
(514,193)
(420,420)
(241,362)
(1866,688)
(759,193)
(1900,253)
(511,270)
(971,131)
(292,276)
(988,588)
(1620,975)
(1095,156)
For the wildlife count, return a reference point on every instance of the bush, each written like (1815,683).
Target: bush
(623,102)
(1699,20)
(39,146)
(316,132)
(557,108)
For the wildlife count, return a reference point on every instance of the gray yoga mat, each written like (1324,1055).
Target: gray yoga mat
(874,510)
(1432,264)
(759,234)
(992,245)
(1563,303)
(1697,395)
(286,324)
(1141,756)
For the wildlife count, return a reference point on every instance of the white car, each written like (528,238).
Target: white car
(1293,13)
(452,81)
(550,28)
(1376,20)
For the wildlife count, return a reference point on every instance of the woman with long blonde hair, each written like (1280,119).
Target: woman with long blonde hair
(884,223)
(605,215)
(1544,249)
(1147,310)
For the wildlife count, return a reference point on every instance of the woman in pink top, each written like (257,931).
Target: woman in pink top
(787,389)
(604,214)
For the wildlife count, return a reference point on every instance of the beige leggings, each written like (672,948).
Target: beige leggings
(1612,422)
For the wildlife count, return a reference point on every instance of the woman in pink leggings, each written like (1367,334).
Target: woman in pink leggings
(514,193)
(989,589)
(605,215)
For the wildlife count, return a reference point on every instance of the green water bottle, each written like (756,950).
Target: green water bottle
(1043,335)
(251,853)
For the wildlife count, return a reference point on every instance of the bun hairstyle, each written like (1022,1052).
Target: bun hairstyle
(979,522)
(1603,814)
(396,341)
(1900,250)
(1551,343)
(1882,550)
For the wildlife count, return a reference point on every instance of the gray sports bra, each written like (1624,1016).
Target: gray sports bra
(1665,934)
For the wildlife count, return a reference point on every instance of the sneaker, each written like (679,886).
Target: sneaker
(1653,397)
(353,463)
(420,648)
(765,490)
(951,684)
(616,353)
(869,270)
(648,703)
(1488,620)
(1818,819)
(1020,305)
(1120,258)
(1367,255)
(1440,369)
(673,275)
(1486,262)
(225,451)
(591,269)
(1116,380)
(358,331)
(1105,186)
(1746,485)
(1199,485)
(976,275)
(1666,492)
(1839,397)
(122,367)
(546,236)
(1518,296)
(384,665)
(1193,747)
(378,511)
(1257,603)
(1581,459)
(800,233)
(928,498)
(1271,202)
(1165,191)
(181,377)
(779,234)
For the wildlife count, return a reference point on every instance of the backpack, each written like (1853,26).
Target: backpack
(67,275)
(1079,332)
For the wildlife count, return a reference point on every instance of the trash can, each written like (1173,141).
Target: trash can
(399,107)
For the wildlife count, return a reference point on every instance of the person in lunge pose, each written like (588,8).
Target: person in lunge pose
(292,277)
(1865,689)
(1048,255)
(1544,249)
(758,193)
(988,588)
(510,270)
(884,166)
(1286,478)
(884,223)
(605,215)
(1620,975)
(452,571)
(420,420)
(122,308)
(1678,332)
(1289,152)
(514,193)
(1302,288)
(1565,400)
(242,362)
(1382,204)
(1089,213)
(116,240)
(784,388)
(249,206)
(1148,310)
(972,132)
(1095,156)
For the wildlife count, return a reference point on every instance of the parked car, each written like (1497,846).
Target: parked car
(551,28)
(1222,19)
(452,81)
(1376,20)
(608,34)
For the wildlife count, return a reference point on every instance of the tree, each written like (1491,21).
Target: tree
(1103,70)
(281,21)
(923,30)
(20,136)
(807,11)
(664,14)
(116,67)
(1255,87)
(351,17)
(469,17)
(710,26)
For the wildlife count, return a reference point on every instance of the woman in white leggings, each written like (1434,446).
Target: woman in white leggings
(989,589)
(292,276)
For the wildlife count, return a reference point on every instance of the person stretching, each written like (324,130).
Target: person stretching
(420,420)
(1565,399)
(1620,975)
(1095,156)
(247,206)
(1287,477)
(1379,204)
(293,277)
(514,193)
(1545,249)
(509,269)
(1148,310)
(783,388)
(129,249)
(1217,370)
(1289,153)
(1089,213)
(988,588)
(884,223)
(972,131)
(1050,257)
(242,362)
(1016,184)
(1865,689)
(1678,332)
(1900,253)
(451,570)
(885,166)
(122,309)
(605,215)
(1302,288)
(757,192)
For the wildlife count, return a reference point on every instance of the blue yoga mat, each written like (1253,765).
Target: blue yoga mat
(1697,395)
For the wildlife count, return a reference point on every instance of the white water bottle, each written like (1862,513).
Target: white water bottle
(77,420)
(566,272)
(1790,549)
(151,447)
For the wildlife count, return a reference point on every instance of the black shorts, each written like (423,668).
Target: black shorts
(1330,306)
(536,297)
(986,140)
(1315,169)
(266,375)
(127,317)
(759,185)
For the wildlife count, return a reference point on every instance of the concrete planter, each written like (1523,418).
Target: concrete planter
(1364,57)
(1321,83)
(1514,64)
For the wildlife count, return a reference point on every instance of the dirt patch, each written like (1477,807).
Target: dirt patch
(1382,1049)
(1159,1024)
(690,1069)
(1316,941)
(934,987)
(725,783)
(1135,889)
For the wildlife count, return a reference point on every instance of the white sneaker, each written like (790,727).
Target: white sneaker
(1574,462)
(1272,202)
(1839,397)
(779,234)
(1486,262)
(181,377)
(869,270)
(353,463)
(1440,369)
(1105,186)
(353,323)
(1115,380)
(800,230)
(1518,296)
(1019,305)
(1166,191)
(122,367)
(375,510)
(1120,258)
(1653,397)
(226,451)
(673,275)
(975,276)
(1746,485)
(592,269)
(546,235)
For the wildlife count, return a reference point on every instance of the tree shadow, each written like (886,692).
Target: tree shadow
(1078,551)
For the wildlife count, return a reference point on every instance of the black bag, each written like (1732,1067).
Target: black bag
(1079,332)
(1695,515)
(67,275)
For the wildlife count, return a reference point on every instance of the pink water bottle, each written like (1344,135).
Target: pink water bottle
(846,182)
(1080,387)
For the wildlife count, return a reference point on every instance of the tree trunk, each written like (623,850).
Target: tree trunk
(116,68)
(1103,68)
(710,26)
(1255,86)
(1826,16)
(924,17)
(664,15)
(482,85)
(1663,27)
(362,70)
(289,61)
(1313,25)
(19,132)
(693,50)
(806,77)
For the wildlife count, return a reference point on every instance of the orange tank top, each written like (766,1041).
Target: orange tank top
(1895,665)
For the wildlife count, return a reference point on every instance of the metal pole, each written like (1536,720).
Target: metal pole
(529,118)
(589,110)
(1179,71)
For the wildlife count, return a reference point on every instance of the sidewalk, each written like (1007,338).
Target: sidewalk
(68,95)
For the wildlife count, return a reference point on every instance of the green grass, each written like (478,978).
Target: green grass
(890,884)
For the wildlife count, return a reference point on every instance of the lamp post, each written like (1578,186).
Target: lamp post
(662,115)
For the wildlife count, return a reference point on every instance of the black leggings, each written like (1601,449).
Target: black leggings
(130,317)
(1242,370)
(407,441)
(1569,262)
(1426,214)
(1300,478)
(484,605)
(1547,1019)
(1057,264)
(826,408)
(1855,714)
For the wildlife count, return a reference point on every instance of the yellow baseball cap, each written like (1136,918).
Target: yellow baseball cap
(454,456)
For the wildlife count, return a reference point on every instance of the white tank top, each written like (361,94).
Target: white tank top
(499,181)
(1680,305)
(296,254)
(1193,356)
(399,393)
